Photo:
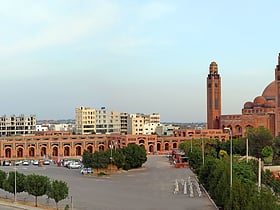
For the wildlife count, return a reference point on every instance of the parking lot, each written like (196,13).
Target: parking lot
(155,186)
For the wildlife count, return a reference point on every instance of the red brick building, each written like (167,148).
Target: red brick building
(263,111)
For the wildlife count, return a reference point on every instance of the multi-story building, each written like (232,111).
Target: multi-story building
(107,121)
(85,120)
(17,125)
(124,118)
(138,124)
(153,119)
(135,124)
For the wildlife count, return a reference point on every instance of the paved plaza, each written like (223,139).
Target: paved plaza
(156,186)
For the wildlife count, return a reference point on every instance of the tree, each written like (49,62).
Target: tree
(195,159)
(267,154)
(87,159)
(276,150)
(135,156)
(258,139)
(3,176)
(58,190)
(9,183)
(119,158)
(100,159)
(36,185)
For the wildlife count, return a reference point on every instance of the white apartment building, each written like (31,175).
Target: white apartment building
(138,124)
(42,127)
(62,127)
(107,121)
(17,125)
(85,120)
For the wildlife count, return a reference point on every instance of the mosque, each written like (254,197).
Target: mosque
(263,111)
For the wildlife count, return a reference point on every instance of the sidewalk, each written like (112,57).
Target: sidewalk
(18,206)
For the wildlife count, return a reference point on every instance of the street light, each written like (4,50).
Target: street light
(230,133)
(111,157)
(202,150)
(15,183)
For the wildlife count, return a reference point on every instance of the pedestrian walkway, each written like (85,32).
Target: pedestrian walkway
(18,206)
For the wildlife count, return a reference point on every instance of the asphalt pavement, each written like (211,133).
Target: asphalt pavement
(155,186)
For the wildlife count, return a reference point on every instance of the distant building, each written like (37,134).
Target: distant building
(124,122)
(42,127)
(107,121)
(17,125)
(140,124)
(62,127)
(165,130)
(85,120)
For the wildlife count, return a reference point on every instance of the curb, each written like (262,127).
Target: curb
(18,206)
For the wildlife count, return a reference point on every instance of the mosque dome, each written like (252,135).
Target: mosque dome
(269,91)
(259,101)
(269,104)
(249,105)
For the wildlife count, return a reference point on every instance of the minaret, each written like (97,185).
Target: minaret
(277,108)
(213,97)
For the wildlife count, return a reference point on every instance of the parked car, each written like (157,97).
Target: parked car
(86,171)
(36,162)
(46,162)
(74,165)
(18,162)
(25,163)
(7,163)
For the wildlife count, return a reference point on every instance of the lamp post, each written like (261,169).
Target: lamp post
(230,133)
(15,183)
(202,150)
(111,157)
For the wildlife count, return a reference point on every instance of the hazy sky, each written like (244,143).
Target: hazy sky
(134,55)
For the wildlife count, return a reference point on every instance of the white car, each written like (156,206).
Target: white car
(74,165)
(86,171)
(25,163)
(36,162)
(46,162)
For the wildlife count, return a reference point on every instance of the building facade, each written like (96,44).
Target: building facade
(263,111)
(17,125)
(85,120)
(57,145)
(107,121)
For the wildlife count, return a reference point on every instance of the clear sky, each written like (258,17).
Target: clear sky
(134,56)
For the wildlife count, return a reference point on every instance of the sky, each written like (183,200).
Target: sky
(140,56)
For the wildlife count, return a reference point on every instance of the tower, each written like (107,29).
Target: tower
(277,107)
(214,97)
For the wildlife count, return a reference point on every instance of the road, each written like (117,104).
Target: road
(152,187)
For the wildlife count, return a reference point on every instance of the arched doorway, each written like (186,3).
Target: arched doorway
(31,152)
(90,148)
(66,151)
(151,148)
(166,146)
(78,150)
(8,152)
(19,152)
(174,145)
(158,147)
(43,151)
(55,151)
(141,141)
(101,147)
